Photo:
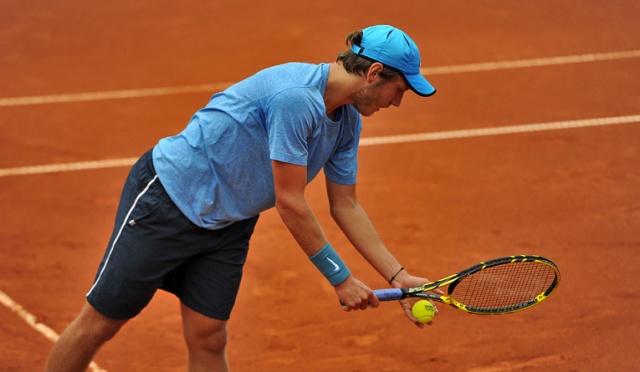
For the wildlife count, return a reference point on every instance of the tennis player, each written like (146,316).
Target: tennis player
(189,205)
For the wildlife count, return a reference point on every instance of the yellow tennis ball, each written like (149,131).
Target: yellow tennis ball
(424,311)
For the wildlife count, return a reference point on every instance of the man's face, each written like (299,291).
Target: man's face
(381,94)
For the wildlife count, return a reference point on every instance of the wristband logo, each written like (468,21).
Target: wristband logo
(336,267)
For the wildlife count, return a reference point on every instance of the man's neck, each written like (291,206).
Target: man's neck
(340,88)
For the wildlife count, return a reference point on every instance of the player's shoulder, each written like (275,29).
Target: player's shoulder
(295,67)
(295,74)
(296,81)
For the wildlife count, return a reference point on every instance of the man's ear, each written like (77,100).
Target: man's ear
(374,72)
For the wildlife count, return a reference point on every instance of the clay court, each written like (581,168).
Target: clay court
(530,146)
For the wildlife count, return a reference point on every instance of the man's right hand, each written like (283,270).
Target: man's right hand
(354,295)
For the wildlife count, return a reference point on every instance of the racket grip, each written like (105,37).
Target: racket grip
(389,294)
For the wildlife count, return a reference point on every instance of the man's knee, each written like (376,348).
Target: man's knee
(91,325)
(211,340)
(204,333)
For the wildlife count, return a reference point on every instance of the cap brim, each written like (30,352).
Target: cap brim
(420,85)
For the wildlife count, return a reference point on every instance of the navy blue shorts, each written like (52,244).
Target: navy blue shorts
(154,246)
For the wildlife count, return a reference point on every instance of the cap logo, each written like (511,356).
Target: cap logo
(406,41)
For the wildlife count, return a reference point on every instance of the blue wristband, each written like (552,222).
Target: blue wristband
(330,265)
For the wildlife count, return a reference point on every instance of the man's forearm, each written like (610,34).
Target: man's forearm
(302,224)
(359,229)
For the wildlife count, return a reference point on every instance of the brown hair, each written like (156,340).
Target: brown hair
(359,65)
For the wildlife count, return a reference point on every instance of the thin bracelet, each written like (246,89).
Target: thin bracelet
(396,274)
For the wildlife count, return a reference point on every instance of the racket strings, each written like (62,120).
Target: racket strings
(504,286)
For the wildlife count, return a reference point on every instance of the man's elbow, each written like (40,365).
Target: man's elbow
(342,211)
(288,205)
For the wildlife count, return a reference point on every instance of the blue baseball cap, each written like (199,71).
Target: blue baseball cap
(394,48)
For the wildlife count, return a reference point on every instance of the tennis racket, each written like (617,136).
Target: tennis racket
(499,286)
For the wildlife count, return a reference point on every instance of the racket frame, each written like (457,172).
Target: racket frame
(453,280)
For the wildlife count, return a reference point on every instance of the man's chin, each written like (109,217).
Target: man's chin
(368,112)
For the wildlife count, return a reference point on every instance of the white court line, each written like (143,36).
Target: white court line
(56,168)
(498,130)
(115,94)
(536,62)
(98,164)
(32,321)
(429,71)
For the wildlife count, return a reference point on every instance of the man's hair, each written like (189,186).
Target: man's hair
(359,65)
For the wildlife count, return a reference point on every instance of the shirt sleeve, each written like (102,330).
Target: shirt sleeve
(291,120)
(342,167)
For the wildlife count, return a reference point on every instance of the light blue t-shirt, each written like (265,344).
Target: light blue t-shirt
(218,170)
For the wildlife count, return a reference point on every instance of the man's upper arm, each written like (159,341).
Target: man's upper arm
(341,196)
(288,179)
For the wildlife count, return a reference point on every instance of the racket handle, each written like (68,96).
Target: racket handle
(389,294)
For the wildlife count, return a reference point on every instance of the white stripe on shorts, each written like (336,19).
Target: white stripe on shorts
(124,222)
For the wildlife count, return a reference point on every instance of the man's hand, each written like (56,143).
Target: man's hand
(405,280)
(355,295)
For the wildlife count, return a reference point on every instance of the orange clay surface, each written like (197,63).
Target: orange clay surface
(572,195)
